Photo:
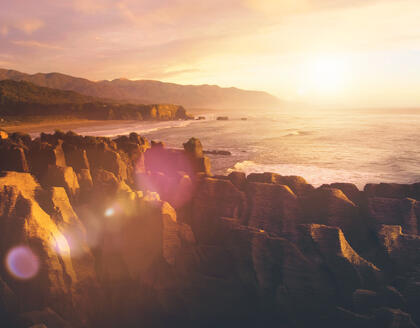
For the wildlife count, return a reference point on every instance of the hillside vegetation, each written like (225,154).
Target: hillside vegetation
(24,100)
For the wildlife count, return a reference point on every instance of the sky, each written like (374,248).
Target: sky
(348,53)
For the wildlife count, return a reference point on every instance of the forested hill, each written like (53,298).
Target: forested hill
(23,99)
(14,92)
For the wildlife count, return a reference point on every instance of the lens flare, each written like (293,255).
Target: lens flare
(109,212)
(22,263)
(60,244)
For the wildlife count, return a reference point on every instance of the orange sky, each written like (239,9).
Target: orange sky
(345,53)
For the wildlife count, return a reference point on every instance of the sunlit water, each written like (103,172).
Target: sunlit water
(322,147)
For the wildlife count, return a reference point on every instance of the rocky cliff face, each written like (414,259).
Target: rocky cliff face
(125,233)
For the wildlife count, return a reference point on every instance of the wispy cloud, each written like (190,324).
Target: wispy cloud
(36,44)
(162,74)
(90,6)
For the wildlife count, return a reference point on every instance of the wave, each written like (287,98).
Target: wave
(313,174)
(297,133)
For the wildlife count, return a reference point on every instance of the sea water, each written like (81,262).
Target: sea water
(335,146)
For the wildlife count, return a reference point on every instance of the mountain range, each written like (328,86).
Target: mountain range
(152,92)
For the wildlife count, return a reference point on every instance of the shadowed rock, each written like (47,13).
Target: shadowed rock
(138,236)
(272,207)
(404,212)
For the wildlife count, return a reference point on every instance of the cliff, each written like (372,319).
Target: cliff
(24,100)
(126,233)
(152,92)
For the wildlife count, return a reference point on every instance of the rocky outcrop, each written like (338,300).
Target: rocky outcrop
(272,207)
(393,190)
(349,189)
(3,134)
(130,233)
(403,212)
(194,151)
(46,254)
(330,206)
(297,184)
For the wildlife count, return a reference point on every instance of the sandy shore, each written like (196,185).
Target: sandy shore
(64,125)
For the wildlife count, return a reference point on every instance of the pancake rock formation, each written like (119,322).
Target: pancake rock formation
(124,232)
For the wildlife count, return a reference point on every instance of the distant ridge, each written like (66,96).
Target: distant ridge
(152,92)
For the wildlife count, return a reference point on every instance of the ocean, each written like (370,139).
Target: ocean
(323,147)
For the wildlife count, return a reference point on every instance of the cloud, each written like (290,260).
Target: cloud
(35,44)
(90,6)
(167,74)
(29,26)
(4,30)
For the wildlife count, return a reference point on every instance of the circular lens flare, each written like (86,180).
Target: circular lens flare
(109,212)
(22,263)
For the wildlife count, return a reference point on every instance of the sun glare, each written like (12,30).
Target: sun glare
(324,75)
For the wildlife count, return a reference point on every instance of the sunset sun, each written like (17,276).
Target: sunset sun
(324,74)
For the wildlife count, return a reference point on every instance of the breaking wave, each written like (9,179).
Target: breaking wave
(313,174)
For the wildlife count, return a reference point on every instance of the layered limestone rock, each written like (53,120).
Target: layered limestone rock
(393,190)
(12,156)
(297,184)
(404,212)
(128,233)
(349,189)
(26,224)
(330,206)
(272,207)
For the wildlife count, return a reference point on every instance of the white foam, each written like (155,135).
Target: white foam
(313,174)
